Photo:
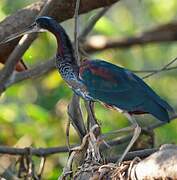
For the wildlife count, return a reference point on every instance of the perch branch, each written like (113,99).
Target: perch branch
(160,165)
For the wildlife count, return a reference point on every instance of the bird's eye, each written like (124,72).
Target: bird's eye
(33,25)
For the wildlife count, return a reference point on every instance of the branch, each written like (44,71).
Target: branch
(75,115)
(74,109)
(154,70)
(35,72)
(163,33)
(34,151)
(131,155)
(92,23)
(83,35)
(160,165)
(164,68)
(76,30)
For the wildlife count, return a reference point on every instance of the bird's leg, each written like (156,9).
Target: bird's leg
(126,129)
(137,131)
(91,120)
(91,105)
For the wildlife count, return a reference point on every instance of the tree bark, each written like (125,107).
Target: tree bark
(160,165)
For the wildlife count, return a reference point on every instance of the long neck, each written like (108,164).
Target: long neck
(65,60)
(64,50)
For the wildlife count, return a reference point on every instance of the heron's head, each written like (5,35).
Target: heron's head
(45,23)
(41,24)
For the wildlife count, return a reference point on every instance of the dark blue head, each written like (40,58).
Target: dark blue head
(45,22)
(63,41)
(41,23)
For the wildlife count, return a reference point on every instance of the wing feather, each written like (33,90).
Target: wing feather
(119,87)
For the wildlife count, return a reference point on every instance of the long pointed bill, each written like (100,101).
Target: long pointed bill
(31,29)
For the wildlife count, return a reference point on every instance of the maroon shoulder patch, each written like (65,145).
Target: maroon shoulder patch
(85,64)
(96,70)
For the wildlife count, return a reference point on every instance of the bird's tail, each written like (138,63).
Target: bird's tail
(160,111)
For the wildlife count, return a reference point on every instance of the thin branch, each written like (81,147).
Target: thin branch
(91,119)
(131,155)
(76,30)
(155,70)
(159,124)
(77,55)
(89,27)
(164,68)
(41,152)
(170,63)
(75,115)
(41,167)
(92,23)
(35,72)
(44,152)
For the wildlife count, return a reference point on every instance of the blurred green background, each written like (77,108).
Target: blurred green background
(37,107)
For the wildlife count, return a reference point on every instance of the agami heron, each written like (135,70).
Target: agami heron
(98,80)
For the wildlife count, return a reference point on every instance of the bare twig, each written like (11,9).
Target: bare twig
(75,114)
(155,70)
(91,115)
(76,45)
(159,124)
(76,30)
(35,72)
(140,153)
(164,68)
(41,167)
(89,27)
(67,133)
(92,23)
(74,110)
